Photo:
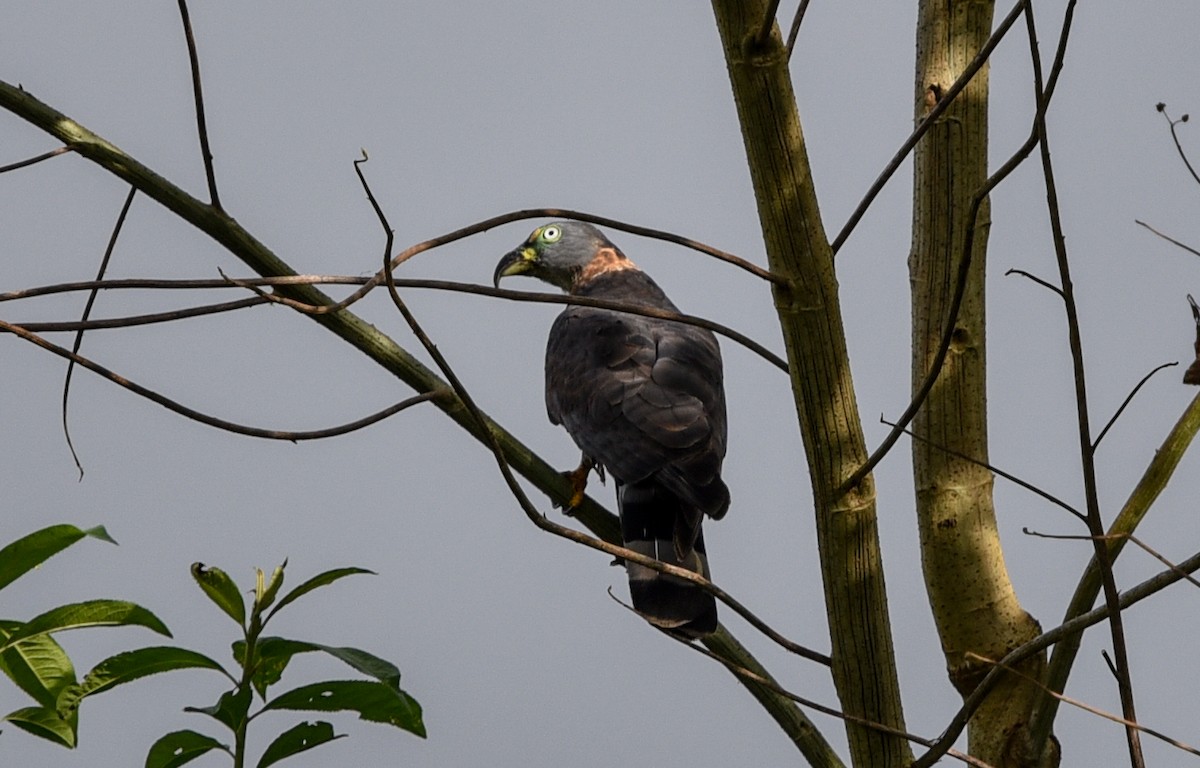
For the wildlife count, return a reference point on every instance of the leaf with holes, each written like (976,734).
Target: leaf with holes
(179,747)
(372,701)
(230,709)
(293,741)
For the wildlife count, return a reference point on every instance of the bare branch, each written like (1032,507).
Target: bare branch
(1067,630)
(87,310)
(34,160)
(1045,284)
(768,682)
(1125,403)
(1094,710)
(201,125)
(135,320)
(992,468)
(994,180)
(764,32)
(943,103)
(1087,451)
(212,421)
(1158,473)
(1161,107)
(1169,239)
(794,32)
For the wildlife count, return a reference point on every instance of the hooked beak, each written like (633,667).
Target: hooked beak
(516,262)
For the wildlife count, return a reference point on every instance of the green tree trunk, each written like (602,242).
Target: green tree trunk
(864,667)
(974,605)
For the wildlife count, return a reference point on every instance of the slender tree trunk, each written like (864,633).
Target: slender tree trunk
(864,668)
(974,604)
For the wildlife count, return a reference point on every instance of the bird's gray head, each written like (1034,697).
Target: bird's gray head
(559,253)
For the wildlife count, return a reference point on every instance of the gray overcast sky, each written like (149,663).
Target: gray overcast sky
(505,635)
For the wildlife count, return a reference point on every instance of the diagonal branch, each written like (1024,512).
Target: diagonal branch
(1158,473)
(87,311)
(1069,631)
(1086,444)
(944,100)
(212,421)
(1125,403)
(794,32)
(201,124)
(34,160)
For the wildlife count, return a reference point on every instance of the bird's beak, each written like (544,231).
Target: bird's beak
(515,262)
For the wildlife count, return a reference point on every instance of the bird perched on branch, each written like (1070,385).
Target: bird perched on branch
(643,399)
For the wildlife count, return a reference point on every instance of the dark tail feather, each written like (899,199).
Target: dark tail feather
(648,526)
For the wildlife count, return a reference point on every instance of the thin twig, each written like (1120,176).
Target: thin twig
(939,357)
(144,283)
(201,124)
(928,122)
(767,682)
(794,32)
(1169,239)
(33,160)
(1074,626)
(1126,402)
(131,321)
(518,492)
(87,311)
(1086,445)
(1175,136)
(530,213)
(212,421)
(1159,557)
(764,31)
(1111,537)
(1044,283)
(994,469)
(262,297)
(1087,707)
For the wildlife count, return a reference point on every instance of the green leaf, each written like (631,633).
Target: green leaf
(320,580)
(38,665)
(264,596)
(128,666)
(230,709)
(303,737)
(274,653)
(92,613)
(31,551)
(221,590)
(179,747)
(45,722)
(372,701)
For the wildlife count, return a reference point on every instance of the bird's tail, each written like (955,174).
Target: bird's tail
(648,527)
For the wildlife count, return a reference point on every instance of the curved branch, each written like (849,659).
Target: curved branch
(943,103)
(87,310)
(34,160)
(197,91)
(1127,401)
(262,297)
(1067,631)
(212,421)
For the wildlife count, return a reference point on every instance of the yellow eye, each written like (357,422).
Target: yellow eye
(551,234)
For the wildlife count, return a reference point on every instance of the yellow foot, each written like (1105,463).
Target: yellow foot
(578,478)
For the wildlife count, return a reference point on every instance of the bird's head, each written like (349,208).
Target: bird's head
(557,253)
